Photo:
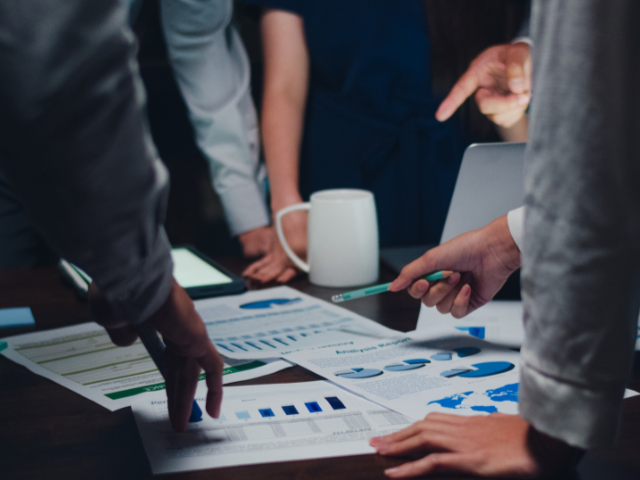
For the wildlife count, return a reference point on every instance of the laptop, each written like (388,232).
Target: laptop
(490,183)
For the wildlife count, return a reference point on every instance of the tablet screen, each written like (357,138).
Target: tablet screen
(190,270)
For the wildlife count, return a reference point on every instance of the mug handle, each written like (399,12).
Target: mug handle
(283,241)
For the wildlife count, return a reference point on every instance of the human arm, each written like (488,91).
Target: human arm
(256,242)
(582,227)
(500,78)
(212,70)
(484,259)
(285,93)
(188,350)
(75,148)
(459,444)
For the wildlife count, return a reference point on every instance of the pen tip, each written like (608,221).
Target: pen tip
(447,273)
(337,299)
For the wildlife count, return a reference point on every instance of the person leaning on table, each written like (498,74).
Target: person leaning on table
(580,258)
(75,149)
(212,70)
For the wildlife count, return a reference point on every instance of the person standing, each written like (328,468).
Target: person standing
(350,99)
(580,258)
(75,150)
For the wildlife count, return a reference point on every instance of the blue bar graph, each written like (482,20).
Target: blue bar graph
(290,410)
(335,403)
(313,407)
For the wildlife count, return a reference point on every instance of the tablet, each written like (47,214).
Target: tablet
(202,277)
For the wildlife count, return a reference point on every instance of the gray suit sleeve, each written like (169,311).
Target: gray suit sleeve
(75,147)
(581,275)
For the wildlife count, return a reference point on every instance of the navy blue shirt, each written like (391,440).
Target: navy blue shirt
(370,113)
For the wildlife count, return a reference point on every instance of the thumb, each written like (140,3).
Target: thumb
(458,254)
(518,68)
(427,263)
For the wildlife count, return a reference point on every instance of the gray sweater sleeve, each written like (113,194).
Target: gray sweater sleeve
(75,147)
(581,261)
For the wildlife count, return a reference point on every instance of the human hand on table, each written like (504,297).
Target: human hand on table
(257,242)
(485,258)
(276,265)
(188,350)
(497,445)
(500,77)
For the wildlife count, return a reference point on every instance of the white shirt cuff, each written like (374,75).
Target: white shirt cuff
(245,208)
(526,40)
(515,219)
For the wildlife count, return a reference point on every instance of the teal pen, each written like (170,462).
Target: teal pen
(376,289)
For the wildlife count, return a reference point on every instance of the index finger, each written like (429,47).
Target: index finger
(212,365)
(463,89)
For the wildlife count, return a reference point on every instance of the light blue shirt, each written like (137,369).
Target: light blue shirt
(212,70)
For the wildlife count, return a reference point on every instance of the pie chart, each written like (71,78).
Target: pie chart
(355,373)
(467,351)
(454,372)
(261,304)
(486,369)
(411,364)
(442,356)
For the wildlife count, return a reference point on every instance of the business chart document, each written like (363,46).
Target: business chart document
(83,359)
(276,321)
(440,370)
(498,322)
(264,424)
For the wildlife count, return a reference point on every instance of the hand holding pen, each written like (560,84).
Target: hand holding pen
(486,257)
(385,287)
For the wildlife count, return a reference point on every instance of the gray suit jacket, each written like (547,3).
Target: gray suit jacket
(581,259)
(75,147)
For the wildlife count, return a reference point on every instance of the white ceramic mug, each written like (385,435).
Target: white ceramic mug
(343,246)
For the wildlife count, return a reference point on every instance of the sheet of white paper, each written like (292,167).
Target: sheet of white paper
(498,322)
(437,370)
(83,359)
(281,320)
(264,424)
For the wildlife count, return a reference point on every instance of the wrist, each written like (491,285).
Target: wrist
(502,245)
(278,202)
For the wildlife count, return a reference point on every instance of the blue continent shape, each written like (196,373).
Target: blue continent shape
(483,408)
(508,393)
(453,401)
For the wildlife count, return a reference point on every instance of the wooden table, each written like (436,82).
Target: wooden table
(49,432)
